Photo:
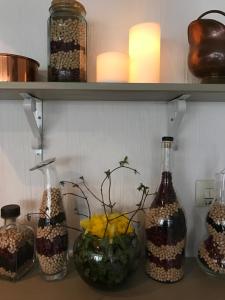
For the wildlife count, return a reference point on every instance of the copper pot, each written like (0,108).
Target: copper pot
(17,68)
(206,58)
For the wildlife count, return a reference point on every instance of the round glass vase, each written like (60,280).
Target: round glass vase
(106,263)
(211,253)
(52,234)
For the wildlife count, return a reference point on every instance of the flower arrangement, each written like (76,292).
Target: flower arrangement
(110,223)
(108,249)
(118,224)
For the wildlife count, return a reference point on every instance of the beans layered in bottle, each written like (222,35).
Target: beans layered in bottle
(16,245)
(211,253)
(67,41)
(52,234)
(165,227)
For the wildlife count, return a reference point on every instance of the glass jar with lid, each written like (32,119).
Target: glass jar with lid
(67,41)
(52,233)
(17,252)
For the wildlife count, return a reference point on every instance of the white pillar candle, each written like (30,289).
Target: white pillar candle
(144,52)
(112,67)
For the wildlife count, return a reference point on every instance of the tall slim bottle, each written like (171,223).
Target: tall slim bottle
(52,234)
(165,227)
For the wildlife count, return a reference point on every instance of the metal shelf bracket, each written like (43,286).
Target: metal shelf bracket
(33,108)
(176,111)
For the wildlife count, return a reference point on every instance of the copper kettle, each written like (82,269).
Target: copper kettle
(206,59)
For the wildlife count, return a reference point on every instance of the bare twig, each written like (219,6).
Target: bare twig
(75,195)
(110,203)
(48,218)
(109,206)
(69,182)
(108,177)
(70,227)
(90,191)
(82,197)
(38,214)
(80,214)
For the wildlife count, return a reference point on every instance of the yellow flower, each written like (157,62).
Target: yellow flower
(84,223)
(97,225)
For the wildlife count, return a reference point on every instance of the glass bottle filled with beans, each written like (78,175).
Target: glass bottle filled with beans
(17,253)
(52,234)
(211,253)
(165,227)
(67,42)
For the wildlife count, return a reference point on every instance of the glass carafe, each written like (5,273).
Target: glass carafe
(52,234)
(211,253)
(165,227)
(17,253)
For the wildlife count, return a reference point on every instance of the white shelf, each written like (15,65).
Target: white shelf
(34,93)
(195,285)
(112,91)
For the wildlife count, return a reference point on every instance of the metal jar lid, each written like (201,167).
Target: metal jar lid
(69,3)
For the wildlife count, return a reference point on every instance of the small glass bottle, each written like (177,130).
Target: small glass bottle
(17,253)
(52,234)
(67,41)
(165,227)
(211,253)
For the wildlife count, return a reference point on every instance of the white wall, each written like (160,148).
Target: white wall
(87,138)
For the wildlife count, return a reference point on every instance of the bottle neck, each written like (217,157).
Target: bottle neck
(10,221)
(221,188)
(166,193)
(50,176)
(166,165)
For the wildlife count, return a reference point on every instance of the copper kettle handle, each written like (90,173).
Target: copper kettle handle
(212,11)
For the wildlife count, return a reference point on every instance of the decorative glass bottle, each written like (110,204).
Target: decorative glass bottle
(52,235)
(67,41)
(17,252)
(211,253)
(165,227)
